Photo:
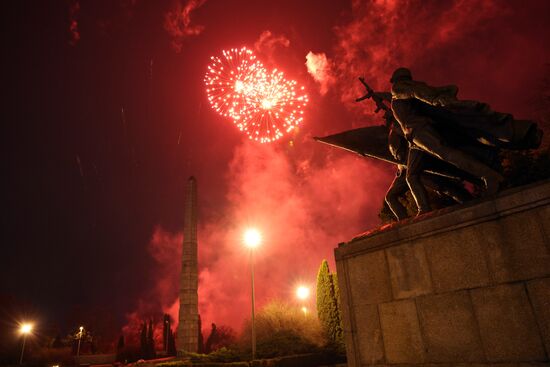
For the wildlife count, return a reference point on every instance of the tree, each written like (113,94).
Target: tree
(281,329)
(120,349)
(150,340)
(165,331)
(120,344)
(171,343)
(143,342)
(212,338)
(201,341)
(328,305)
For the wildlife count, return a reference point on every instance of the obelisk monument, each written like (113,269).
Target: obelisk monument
(188,326)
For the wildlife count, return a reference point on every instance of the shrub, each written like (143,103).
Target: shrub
(282,329)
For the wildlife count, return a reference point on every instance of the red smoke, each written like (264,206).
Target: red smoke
(320,69)
(268,43)
(305,205)
(178,23)
(303,211)
(493,50)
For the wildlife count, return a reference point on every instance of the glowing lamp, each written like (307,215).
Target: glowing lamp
(302,292)
(26,328)
(252,238)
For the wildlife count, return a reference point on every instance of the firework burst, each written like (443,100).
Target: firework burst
(229,79)
(264,105)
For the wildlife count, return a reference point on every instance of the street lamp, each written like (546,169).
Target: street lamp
(302,292)
(25,329)
(252,238)
(79,340)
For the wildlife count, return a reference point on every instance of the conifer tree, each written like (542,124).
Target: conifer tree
(171,343)
(212,339)
(340,327)
(151,340)
(143,341)
(201,340)
(120,344)
(327,304)
(165,331)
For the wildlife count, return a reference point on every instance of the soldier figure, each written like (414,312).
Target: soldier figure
(436,140)
(412,177)
(419,130)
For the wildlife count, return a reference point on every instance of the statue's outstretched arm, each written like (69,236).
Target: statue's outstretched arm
(422,91)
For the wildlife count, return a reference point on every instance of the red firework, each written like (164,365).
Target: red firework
(262,104)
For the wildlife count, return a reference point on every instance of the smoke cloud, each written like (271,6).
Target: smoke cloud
(288,201)
(320,69)
(303,209)
(303,204)
(492,49)
(267,42)
(178,23)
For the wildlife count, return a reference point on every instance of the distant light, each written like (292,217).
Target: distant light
(26,328)
(304,310)
(81,328)
(252,238)
(302,292)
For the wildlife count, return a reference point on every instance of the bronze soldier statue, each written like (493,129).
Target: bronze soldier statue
(436,140)
(419,131)
(423,112)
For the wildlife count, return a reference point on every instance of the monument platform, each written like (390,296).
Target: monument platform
(469,285)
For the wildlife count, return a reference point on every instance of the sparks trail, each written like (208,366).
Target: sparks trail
(79,163)
(264,105)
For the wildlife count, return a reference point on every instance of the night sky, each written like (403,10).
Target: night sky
(105,116)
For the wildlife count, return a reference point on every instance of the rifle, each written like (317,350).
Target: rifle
(379,100)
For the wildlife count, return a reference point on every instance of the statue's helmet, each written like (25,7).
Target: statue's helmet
(401,74)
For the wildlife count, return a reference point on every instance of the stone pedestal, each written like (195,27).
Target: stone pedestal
(468,285)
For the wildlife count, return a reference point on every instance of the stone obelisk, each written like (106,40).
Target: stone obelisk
(188,327)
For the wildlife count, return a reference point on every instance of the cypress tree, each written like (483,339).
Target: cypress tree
(120,344)
(171,343)
(339,332)
(120,349)
(165,331)
(327,304)
(143,341)
(201,341)
(212,339)
(150,340)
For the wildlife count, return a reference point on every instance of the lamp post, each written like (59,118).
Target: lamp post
(252,239)
(25,330)
(302,293)
(81,330)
